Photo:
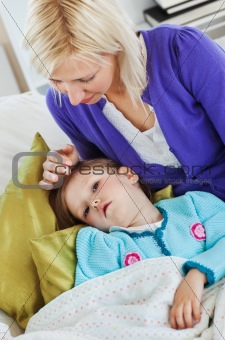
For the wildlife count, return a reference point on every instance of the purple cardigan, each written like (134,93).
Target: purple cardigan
(187,90)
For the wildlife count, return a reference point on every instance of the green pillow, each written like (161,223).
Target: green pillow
(163,194)
(55,259)
(24,214)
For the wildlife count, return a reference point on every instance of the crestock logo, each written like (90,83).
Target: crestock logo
(60,169)
(168,174)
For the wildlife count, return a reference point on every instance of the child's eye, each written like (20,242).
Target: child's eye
(95,187)
(55,82)
(86,211)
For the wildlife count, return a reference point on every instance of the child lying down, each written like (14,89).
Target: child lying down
(128,227)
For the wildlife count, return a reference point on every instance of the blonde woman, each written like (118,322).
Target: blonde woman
(152,100)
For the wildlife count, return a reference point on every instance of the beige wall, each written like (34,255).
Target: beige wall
(12,59)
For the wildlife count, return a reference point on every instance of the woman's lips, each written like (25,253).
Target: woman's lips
(86,101)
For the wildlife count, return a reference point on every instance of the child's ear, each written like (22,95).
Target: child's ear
(130,174)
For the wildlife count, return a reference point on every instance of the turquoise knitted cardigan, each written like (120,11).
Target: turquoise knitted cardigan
(193,228)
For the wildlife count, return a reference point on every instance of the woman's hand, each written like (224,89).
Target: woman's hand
(186,309)
(58,164)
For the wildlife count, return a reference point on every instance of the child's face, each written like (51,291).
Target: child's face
(103,200)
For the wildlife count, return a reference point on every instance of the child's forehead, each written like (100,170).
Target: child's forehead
(95,170)
(85,173)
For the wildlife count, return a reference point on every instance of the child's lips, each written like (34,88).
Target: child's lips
(106,207)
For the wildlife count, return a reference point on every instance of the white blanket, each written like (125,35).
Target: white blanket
(131,303)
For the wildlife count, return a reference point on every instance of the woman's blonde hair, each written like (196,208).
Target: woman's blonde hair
(58,29)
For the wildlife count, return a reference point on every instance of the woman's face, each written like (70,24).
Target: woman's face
(85,82)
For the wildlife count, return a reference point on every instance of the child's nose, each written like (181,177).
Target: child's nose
(95,203)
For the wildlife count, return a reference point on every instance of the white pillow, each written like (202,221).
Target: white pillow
(21,116)
(8,327)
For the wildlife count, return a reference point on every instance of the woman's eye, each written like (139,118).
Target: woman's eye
(95,186)
(89,80)
(86,211)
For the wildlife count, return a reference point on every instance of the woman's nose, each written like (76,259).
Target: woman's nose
(75,93)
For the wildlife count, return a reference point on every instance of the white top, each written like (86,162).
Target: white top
(150,227)
(150,145)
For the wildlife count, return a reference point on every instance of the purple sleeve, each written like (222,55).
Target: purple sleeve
(202,71)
